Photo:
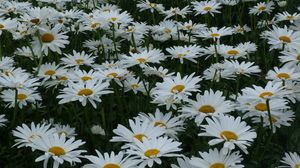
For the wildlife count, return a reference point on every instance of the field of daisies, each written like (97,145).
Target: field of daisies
(149,83)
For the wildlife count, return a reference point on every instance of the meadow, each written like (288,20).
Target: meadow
(150,84)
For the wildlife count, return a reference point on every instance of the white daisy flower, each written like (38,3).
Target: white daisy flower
(232,131)
(262,7)
(147,5)
(183,162)
(215,33)
(59,149)
(160,71)
(284,73)
(290,57)
(184,52)
(3,120)
(204,7)
(151,150)
(90,91)
(78,58)
(216,159)
(290,160)
(287,16)
(65,130)
(243,68)
(110,161)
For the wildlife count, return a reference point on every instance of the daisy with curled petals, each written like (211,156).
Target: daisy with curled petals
(78,58)
(283,38)
(184,52)
(136,85)
(176,12)
(160,71)
(216,159)
(243,68)
(65,130)
(111,160)
(205,7)
(3,120)
(19,79)
(177,86)
(90,91)
(278,119)
(183,162)
(171,124)
(209,104)
(147,5)
(287,16)
(24,96)
(230,131)
(150,151)
(51,38)
(290,160)
(27,134)
(215,33)
(241,29)
(59,148)
(262,7)
(290,57)
(284,73)
(143,58)
(114,73)
(139,130)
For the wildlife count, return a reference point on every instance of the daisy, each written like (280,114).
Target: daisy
(7,24)
(215,33)
(150,151)
(183,162)
(24,96)
(65,130)
(48,71)
(171,124)
(283,38)
(147,5)
(184,52)
(284,73)
(139,130)
(53,39)
(241,29)
(135,84)
(287,16)
(19,79)
(37,16)
(216,159)
(229,2)
(165,30)
(262,7)
(81,75)
(232,131)
(177,86)
(77,59)
(205,7)
(3,120)
(117,18)
(232,52)
(217,71)
(168,101)
(192,27)
(145,57)
(290,57)
(90,91)
(209,104)
(110,161)
(114,73)
(6,63)
(27,134)
(59,149)
(290,160)
(176,12)
(160,71)
(278,119)
(243,68)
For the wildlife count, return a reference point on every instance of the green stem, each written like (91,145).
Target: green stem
(15,108)
(270,116)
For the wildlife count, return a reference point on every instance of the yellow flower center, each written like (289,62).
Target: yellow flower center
(134,86)
(140,137)
(290,17)
(206,109)
(62,78)
(228,135)
(189,27)
(181,55)
(283,76)
(261,107)
(297,166)
(35,21)
(151,153)
(141,60)
(215,35)
(95,25)
(159,124)
(177,89)
(285,39)
(153,5)
(298,57)
(273,119)
(113,19)
(57,151)
(111,165)
(167,30)
(207,8)
(233,52)
(217,165)
(85,92)
(47,38)
(265,94)
(50,72)
(112,75)
(21,96)
(1,26)
(86,78)
(262,8)
(79,61)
